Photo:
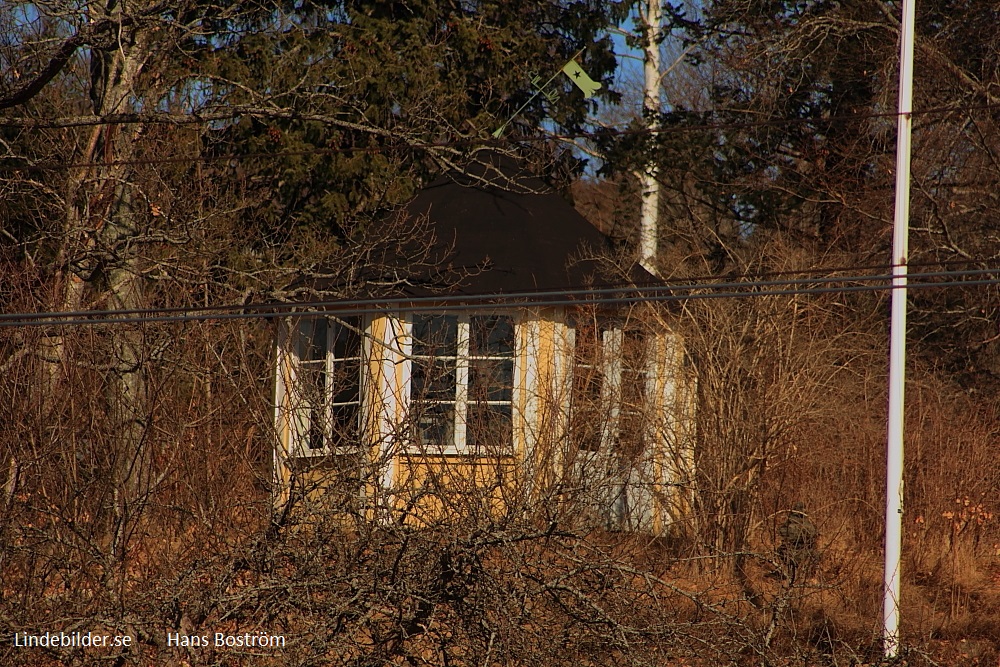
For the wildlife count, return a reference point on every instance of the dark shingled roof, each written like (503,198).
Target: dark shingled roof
(512,226)
(500,230)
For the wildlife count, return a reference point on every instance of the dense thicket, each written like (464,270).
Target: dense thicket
(777,154)
(798,99)
(204,153)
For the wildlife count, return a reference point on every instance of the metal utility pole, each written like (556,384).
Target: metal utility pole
(897,343)
(652,20)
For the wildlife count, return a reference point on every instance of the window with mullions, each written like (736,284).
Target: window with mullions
(462,379)
(610,426)
(329,384)
(588,412)
(611,374)
(633,415)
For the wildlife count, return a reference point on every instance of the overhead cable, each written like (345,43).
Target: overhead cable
(452,302)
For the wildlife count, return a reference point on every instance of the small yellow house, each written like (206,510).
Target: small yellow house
(515,382)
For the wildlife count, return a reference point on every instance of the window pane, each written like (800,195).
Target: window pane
(490,428)
(317,437)
(491,336)
(330,393)
(345,425)
(633,425)
(634,351)
(477,351)
(587,383)
(435,425)
(588,414)
(312,338)
(588,409)
(347,381)
(632,430)
(312,379)
(633,390)
(435,335)
(491,380)
(433,380)
(587,435)
(345,340)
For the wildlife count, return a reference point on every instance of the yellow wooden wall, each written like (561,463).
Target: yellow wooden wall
(428,487)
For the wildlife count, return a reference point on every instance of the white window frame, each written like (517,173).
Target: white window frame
(620,506)
(459,446)
(301,421)
(612,368)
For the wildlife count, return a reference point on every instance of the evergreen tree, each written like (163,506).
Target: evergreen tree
(371,96)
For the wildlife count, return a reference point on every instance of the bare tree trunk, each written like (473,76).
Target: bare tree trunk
(128,410)
(101,221)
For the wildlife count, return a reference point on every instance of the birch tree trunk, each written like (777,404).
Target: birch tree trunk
(651,17)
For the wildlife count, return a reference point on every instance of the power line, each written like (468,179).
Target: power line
(399,142)
(751,279)
(235,113)
(585,292)
(450,303)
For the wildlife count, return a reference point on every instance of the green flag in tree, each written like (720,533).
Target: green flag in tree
(581,79)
